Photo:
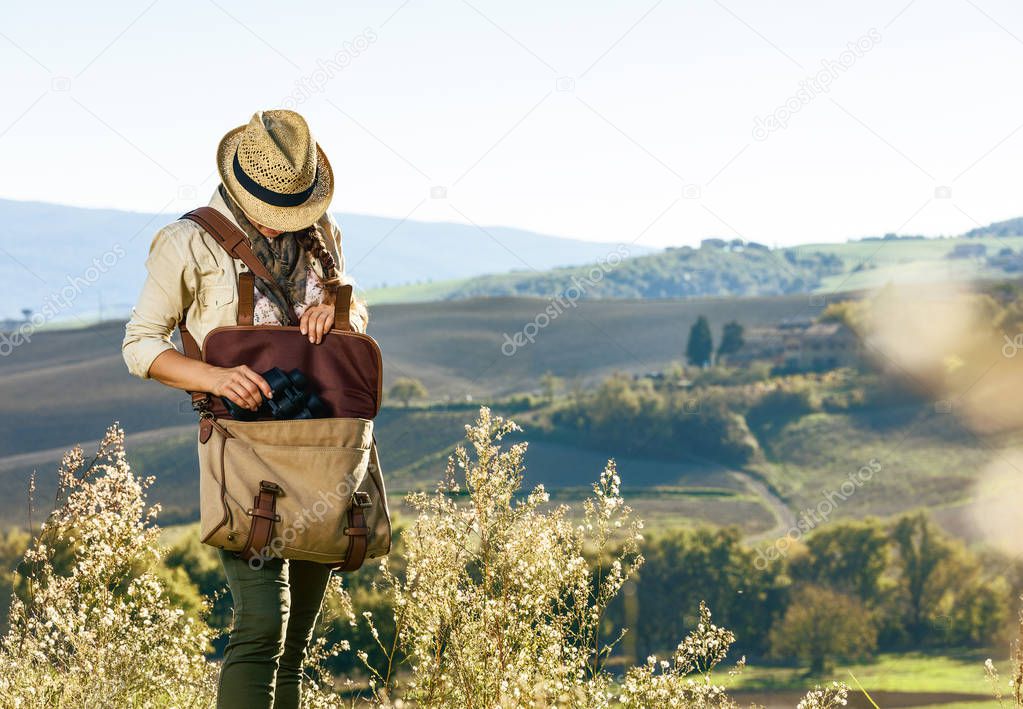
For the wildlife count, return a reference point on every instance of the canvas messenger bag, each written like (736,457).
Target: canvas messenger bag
(300,488)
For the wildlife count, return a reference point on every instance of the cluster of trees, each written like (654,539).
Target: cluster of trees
(700,345)
(708,417)
(640,418)
(848,590)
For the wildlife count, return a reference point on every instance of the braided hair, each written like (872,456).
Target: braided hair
(311,239)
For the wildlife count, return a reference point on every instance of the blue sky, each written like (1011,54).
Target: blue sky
(606,121)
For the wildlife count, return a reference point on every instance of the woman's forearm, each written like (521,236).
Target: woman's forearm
(240,384)
(176,370)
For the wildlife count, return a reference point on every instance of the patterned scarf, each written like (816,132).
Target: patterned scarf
(283,256)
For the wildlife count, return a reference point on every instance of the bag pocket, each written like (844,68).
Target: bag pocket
(327,432)
(316,482)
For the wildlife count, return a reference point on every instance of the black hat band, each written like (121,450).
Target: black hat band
(277,199)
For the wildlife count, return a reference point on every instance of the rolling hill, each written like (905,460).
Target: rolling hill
(734,268)
(1009,227)
(714,269)
(66,386)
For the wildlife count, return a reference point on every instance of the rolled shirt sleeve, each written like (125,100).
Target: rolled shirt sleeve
(168,291)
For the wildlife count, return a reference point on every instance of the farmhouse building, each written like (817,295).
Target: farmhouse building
(801,345)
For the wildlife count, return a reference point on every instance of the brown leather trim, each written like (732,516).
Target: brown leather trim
(188,343)
(343,333)
(191,349)
(263,514)
(358,540)
(205,429)
(343,308)
(246,298)
(223,431)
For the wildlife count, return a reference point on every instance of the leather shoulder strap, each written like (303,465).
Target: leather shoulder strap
(233,240)
(246,298)
(343,307)
(228,236)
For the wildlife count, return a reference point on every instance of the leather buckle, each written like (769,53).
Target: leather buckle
(271,487)
(361,498)
(260,513)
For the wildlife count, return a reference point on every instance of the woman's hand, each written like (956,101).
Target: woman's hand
(316,321)
(241,385)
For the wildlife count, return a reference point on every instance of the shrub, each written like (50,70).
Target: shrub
(778,407)
(497,605)
(820,626)
(405,389)
(684,567)
(633,417)
(92,624)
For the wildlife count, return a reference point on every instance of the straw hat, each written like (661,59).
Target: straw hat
(275,171)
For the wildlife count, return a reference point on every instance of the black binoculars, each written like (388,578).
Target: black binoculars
(293,399)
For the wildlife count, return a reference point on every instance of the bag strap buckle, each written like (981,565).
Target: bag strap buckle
(361,498)
(271,487)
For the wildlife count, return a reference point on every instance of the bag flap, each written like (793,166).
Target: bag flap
(345,369)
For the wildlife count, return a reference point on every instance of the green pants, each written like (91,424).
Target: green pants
(275,609)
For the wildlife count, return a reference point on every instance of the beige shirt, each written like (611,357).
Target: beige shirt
(189,272)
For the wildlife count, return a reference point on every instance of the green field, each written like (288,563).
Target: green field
(923,456)
(67,386)
(933,678)
(411,293)
(906,261)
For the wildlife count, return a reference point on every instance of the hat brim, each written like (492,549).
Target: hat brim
(279,218)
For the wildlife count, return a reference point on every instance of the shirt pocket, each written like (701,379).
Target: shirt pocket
(219,296)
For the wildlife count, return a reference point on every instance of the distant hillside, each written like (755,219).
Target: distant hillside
(716,268)
(734,268)
(97,254)
(1010,227)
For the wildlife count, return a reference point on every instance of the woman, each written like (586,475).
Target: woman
(276,185)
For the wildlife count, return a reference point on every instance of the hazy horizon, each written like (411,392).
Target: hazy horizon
(171,215)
